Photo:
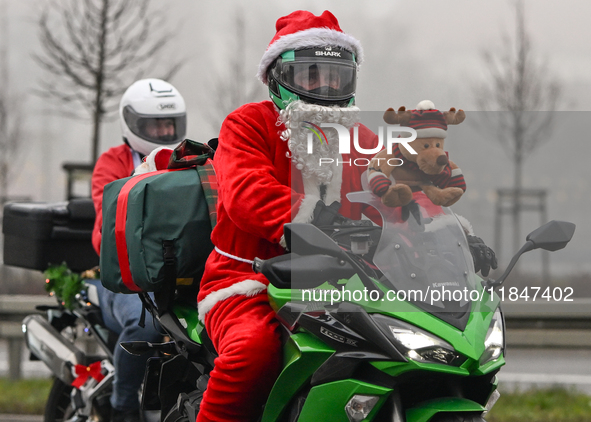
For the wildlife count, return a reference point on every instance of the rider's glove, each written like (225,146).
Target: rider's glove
(326,215)
(484,257)
(329,215)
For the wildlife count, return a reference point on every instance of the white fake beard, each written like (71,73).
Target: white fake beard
(296,134)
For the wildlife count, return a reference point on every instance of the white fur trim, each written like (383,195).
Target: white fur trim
(426,105)
(246,288)
(312,195)
(141,169)
(313,37)
(306,212)
(440,221)
(149,163)
(333,190)
(282,242)
(456,172)
(431,132)
(466,225)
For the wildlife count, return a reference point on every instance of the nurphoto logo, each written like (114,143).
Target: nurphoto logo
(391,133)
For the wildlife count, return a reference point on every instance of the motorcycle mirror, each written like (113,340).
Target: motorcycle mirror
(552,236)
(306,239)
(136,348)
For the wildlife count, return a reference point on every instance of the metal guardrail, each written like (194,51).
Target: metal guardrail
(13,308)
(548,323)
(529,324)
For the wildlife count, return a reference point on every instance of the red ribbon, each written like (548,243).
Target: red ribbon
(85,372)
(120,220)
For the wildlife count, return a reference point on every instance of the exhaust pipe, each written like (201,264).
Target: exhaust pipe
(47,344)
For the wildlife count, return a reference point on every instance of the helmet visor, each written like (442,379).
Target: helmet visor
(165,129)
(321,78)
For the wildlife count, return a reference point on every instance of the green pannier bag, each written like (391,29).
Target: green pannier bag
(156,228)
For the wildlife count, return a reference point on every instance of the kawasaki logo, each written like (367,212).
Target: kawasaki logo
(329,53)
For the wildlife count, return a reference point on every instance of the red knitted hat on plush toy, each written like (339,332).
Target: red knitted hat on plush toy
(428,121)
(302,29)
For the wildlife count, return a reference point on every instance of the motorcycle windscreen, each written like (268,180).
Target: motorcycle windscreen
(423,254)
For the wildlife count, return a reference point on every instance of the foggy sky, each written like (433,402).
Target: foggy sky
(429,49)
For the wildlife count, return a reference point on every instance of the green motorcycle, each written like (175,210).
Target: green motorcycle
(383,323)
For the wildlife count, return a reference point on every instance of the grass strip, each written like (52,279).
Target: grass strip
(547,405)
(27,396)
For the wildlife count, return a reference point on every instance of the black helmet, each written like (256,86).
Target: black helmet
(320,75)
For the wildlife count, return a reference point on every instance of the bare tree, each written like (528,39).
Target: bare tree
(519,85)
(10,114)
(94,49)
(233,86)
(10,130)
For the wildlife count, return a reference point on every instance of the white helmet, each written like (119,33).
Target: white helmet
(153,114)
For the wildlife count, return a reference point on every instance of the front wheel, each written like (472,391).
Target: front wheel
(458,417)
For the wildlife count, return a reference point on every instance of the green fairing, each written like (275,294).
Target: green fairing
(190,316)
(327,402)
(302,355)
(469,342)
(425,411)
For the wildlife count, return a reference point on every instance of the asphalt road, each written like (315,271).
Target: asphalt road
(546,367)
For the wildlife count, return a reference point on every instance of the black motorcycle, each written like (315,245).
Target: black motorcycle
(35,235)
(83,382)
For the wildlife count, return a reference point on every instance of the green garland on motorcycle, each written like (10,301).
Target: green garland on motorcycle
(63,283)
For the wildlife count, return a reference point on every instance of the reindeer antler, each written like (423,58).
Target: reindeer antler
(454,118)
(394,118)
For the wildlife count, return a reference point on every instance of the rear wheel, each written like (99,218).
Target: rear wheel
(59,406)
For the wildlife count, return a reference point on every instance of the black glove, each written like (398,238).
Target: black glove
(484,257)
(329,216)
(326,215)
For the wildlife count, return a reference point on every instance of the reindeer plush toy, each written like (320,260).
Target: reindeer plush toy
(430,170)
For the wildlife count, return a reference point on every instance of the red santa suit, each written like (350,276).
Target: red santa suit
(114,164)
(259,191)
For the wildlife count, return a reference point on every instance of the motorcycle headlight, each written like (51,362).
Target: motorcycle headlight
(494,340)
(417,344)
